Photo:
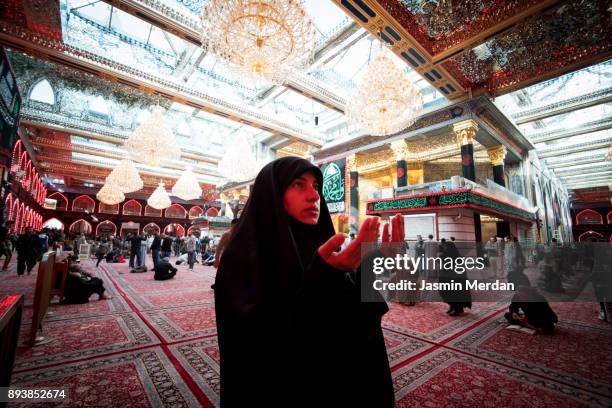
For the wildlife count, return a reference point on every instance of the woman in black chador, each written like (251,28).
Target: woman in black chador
(291,325)
(457,299)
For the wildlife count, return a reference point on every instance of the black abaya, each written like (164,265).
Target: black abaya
(292,330)
(456,299)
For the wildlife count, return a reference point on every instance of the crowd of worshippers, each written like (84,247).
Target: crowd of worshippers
(133,248)
(81,285)
(506,258)
(161,247)
(29,246)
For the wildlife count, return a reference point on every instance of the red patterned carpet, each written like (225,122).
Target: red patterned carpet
(154,344)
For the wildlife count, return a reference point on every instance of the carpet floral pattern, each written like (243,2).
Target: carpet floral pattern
(154,344)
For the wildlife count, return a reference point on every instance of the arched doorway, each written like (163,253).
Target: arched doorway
(174,230)
(212,212)
(106,229)
(84,203)
(132,207)
(195,230)
(129,227)
(151,228)
(53,223)
(195,212)
(591,236)
(61,201)
(175,211)
(80,227)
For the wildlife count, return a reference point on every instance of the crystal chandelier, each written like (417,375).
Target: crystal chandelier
(239,163)
(125,177)
(187,186)
(265,38)
(159,199)
(152,143)
(386,101)
(110,194)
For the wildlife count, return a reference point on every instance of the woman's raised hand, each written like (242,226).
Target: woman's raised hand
(349,258)
(391,243)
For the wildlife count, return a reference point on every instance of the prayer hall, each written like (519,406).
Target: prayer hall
(306,203)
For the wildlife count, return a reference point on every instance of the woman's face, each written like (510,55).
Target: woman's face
(302,199)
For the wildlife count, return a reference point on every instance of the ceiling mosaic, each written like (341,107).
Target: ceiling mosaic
(544,61)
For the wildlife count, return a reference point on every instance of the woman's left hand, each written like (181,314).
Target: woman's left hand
(349,258)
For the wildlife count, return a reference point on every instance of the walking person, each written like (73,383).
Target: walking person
(135,241)
(27,251)
(166,246)
(156,248)
(190,246)
(431,251)
(6,244)
(101,251)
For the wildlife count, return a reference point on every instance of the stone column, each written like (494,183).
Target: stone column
(353,212)
(497,155)
(400,151)
(465,132)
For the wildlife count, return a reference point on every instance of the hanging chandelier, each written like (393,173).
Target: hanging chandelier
(125,177)
(159,199)
(265,38)
(239,163)
(152,142)
(110,194)
(386,101)
(187,186)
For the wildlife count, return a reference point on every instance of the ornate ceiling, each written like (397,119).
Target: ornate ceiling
(135,54)
(493,46)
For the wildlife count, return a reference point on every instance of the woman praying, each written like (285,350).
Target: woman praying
(292,327)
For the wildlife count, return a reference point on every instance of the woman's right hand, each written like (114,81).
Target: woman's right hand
(349,258)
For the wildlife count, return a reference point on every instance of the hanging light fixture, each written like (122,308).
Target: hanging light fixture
(152,142)
(159,199)
(110,194)
(239,163)
(187,186)
(125,177)
(386,101)
(265,38)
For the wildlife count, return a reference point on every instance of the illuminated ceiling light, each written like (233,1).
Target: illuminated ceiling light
(152,142)
(159,199)
(110,194)
(264,38)
(126,177)
(386,101)
(239,163)
(187,186)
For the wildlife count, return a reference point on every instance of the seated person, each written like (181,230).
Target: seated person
(80,285)
(184,258)
(111,256)
(537,313)
(164,269)
(208,257)
(551,275)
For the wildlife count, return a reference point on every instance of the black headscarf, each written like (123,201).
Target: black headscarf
(269,250)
